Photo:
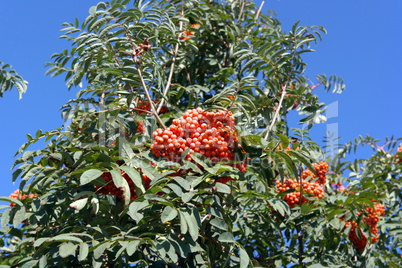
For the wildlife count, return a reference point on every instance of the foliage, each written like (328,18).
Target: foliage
(9,79)
(101,193)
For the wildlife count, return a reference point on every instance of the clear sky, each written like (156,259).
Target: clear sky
(362,46)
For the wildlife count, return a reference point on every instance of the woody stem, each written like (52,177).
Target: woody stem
(153,108)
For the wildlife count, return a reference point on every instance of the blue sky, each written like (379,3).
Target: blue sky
(362,47)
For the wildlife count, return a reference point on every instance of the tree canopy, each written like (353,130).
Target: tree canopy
(177,151)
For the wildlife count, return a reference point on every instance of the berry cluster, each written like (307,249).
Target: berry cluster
(302,189)
(372,218)
(321,170)
(143,107)
(359,241)
(338,186)
(110,188)
(185,35)
(224,179)
(211,134)
(17,195)
(399,150)
(141,127)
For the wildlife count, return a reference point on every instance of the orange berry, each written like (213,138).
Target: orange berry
(293,198)
(210,133)
(372,219)
(17,195)
(399,150)
(321,170)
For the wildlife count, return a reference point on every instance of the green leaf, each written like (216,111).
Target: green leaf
(121,183)
(11,200)
(5,217)
(302,158)
(192,166)
(40,241)
(220,224)
(66,249)
(176,188)
(183,183)
(223,188)
(244,258)
(27,155)
(289,162)
(201,160)
(92,10)
(79,204)
(42,262)
(66,237)
(226,237)
(29,264)
(134,209)
(123,245)
(183,222)
(306,208)
(168,214)
(58,238)
(192,223)
(127,150)
(135,176)
(186,197)
(90,175)
(117,178)
(284,140)
(19,217)
(9,79)
(132,247)
(95,206)
(336,223)
(254,140)
(178,245)
(83,252)
(100,248)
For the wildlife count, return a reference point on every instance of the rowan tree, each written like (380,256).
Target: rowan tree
(177,151)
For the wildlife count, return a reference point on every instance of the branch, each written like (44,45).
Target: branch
(259,11)
(301,248)
(241,11)
(314,86)
(277,111)
(153,109)
(169,82)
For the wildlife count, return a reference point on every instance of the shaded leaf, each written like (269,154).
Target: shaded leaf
(132,247)
(83,252)
(79,204)
(168,214)
(67,249)
(90,175)
(226,237)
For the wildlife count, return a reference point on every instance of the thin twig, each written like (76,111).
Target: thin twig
(153,108)
(316,85)
(277,111)
(301,246)
(102,119)
(256,18)
(259,11)
(241,10)
(169,82)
